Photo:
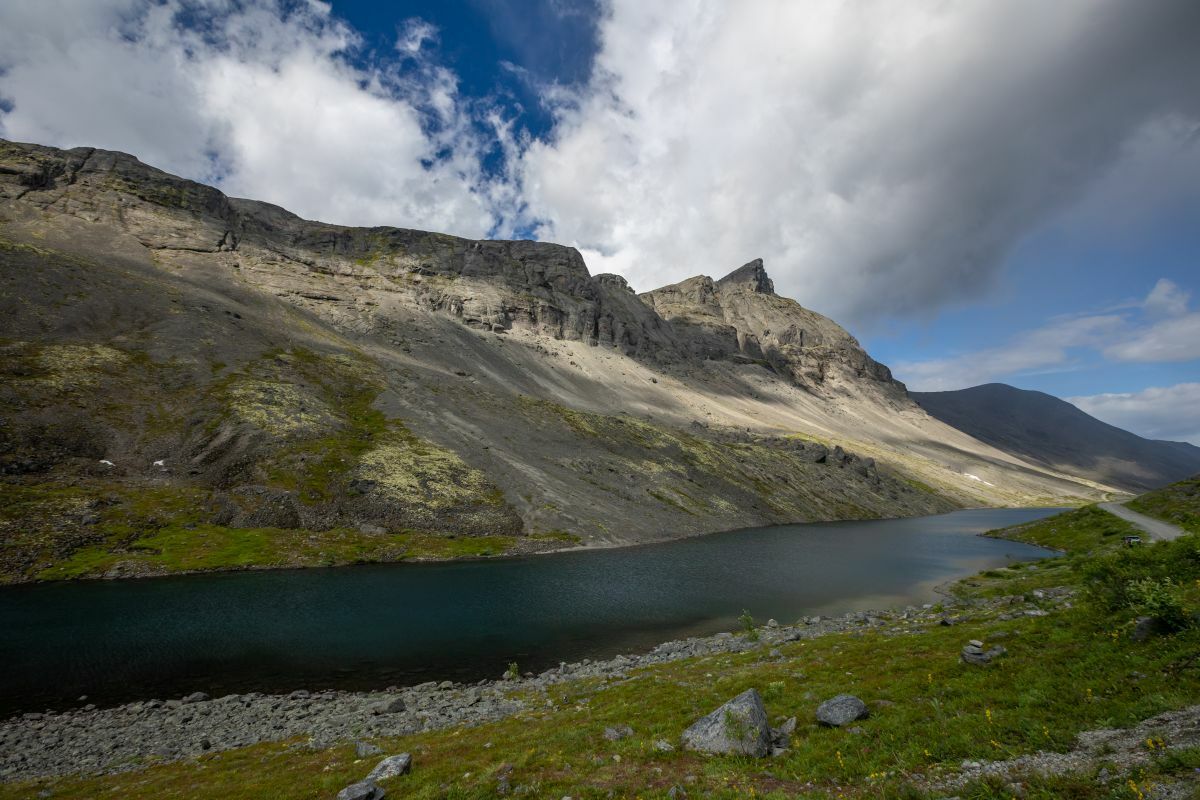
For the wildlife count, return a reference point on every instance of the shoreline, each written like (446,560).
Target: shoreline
(509,556)
(90,740)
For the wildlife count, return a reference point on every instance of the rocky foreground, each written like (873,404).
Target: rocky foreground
(91,740)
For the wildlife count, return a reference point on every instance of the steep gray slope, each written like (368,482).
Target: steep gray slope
(271,390)
(1056,433)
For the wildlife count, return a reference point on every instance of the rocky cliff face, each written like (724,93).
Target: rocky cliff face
(194,381)
(741,316)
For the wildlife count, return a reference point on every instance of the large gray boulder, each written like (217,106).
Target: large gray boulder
(390,767)
(363,790)
(841,710)
(973,653)
(739,728)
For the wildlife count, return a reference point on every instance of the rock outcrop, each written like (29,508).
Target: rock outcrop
(741,317)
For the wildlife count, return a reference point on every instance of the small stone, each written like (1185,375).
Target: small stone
(363,790)
(663,746)
(983,658)
(1143,629)
(366,750)
(392,705)
(975,643)
(618,732)
(841,710)
(194,697)
(390,767)
(772,623)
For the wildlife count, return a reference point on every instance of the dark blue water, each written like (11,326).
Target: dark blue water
(368,627)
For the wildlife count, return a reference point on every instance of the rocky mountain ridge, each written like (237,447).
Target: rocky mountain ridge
(181,367)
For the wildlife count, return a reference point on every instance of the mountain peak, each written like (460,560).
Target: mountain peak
(752,276)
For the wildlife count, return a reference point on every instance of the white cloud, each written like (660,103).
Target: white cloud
(413,35)
(1119,337)
(263,103)
(1167,298)
(1171,412)
(1174,339)
(1045,349)
(882,158)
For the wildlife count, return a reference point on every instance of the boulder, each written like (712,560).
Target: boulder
(841,710)
(973,653)
(618,732)
(195,697)
(365,750)
(363,790)
(1143,629)
(393,705)
(739,727)
(781,737)
(390,767)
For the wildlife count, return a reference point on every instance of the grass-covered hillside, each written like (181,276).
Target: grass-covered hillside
(1178,504)
(1076,661)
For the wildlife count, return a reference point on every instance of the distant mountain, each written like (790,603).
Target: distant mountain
(1055,433)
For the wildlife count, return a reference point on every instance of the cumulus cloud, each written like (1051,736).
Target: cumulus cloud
(1170,412)
(1162,328)
(883,159)
(256,97)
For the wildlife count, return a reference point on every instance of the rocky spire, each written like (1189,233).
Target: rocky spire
(752,277)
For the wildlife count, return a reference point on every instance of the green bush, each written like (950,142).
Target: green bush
(1158,580)
(747,622)
(1160,598)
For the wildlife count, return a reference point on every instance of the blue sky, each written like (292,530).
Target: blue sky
(969,214)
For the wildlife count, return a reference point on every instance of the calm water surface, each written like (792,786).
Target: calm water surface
(368,627)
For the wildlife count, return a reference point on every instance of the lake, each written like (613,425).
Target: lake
(368,627)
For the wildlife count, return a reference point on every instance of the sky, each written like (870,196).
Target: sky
(1002,190)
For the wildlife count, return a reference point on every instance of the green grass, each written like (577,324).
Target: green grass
(1065,673)
(161,530)
(212,547)
(1086,530)
(1178,504)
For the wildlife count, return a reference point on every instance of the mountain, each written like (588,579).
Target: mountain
(193,381)
(1053,432)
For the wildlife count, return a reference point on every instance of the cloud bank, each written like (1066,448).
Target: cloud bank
(883,158)
(1171,412)
(259,98)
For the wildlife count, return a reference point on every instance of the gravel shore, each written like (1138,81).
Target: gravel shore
(93,740)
